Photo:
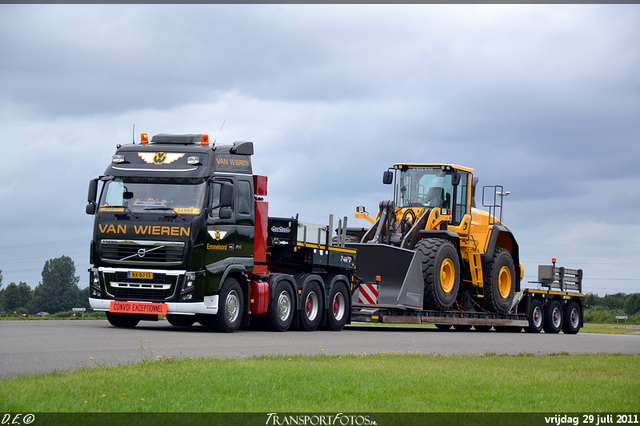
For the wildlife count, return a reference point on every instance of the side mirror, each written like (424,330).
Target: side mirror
(91,196)
(225,213)
(387,177)
(455,179)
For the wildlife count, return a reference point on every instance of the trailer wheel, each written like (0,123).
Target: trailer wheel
(337,311)
(482,328)
(571,320)
(281,308)
(536,317)
(441,273)
(230,307)
(181,320)
(311,309)
(122,320)
(499,282)
(443,327)
(552,317)
(462,327)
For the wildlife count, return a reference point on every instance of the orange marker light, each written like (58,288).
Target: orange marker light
(144,139)
(378,278)
(205,140)
(553,260)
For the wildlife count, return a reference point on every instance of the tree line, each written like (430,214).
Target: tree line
(605,309)
(57,292)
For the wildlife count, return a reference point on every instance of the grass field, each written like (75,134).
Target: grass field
(351,383)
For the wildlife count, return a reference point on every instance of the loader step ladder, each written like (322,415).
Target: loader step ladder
(475,266)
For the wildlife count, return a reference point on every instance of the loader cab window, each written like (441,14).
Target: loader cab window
(424,187)
(462,195)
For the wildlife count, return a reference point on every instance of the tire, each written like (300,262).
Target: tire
(311,309)
(462,327)
(552,317)
(443,327)
(230,307)
(338,308)
(572,318)
(536,317)
(441,273)
(181,320)
(281,308)
(482,328)
(123,320)
(499,278)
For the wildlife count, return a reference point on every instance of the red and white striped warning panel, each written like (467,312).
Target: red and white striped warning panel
(368,294)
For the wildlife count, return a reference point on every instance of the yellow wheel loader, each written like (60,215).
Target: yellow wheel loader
(430,247)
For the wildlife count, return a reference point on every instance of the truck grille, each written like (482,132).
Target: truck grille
(142,252)
(160,288)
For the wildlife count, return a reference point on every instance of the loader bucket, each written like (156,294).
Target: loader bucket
(400,271)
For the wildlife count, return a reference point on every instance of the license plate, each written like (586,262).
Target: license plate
(138,308)
(140,274)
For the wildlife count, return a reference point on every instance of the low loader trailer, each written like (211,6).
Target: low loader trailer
(557,305)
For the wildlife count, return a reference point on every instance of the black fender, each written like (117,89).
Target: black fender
(503,238)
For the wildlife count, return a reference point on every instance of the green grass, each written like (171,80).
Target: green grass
(348,383)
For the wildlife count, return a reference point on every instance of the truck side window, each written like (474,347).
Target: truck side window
(215,199)
(244,197)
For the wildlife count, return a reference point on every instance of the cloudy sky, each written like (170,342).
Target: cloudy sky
(543,99)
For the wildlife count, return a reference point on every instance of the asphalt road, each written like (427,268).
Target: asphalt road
(34,347)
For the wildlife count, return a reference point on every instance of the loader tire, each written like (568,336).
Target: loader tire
(499,282)
(440,272)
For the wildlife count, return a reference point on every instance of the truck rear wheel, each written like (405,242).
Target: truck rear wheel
(536,317)
(230,307)
(441,273)
(337,311)
(123,320)
(311,309)
(552,317)
(281,308)
(499,282)
(571,320)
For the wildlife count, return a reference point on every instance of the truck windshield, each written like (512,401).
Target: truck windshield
(153,195)
(424,187)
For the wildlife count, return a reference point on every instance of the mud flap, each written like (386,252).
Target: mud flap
(400,271)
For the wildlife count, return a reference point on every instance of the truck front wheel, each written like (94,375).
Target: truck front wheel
(230,307)
(123,320)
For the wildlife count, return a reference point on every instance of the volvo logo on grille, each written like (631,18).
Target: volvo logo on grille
(141,252)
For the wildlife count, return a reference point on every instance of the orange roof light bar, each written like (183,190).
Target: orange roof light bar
(205,140)
(144,139)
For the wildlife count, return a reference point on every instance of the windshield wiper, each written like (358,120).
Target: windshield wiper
(165,208)
(122,207)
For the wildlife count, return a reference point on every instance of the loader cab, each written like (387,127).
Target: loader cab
(425,186)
